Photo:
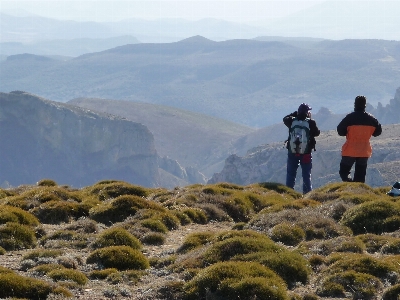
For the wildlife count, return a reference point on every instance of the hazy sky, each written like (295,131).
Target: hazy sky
(114,10)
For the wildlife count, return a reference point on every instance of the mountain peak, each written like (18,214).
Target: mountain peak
(197,39)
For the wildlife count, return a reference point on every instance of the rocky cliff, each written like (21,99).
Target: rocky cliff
(268,162)
(45,139)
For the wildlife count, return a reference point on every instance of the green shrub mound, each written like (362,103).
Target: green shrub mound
(360,285)
(153,238)
(288,234)
(117,237)
(290,266)
(373,217)
(14,236)
(195,240)
(120,208)
(392,293)
(17,286)
(236,280)
(36,254)
(113,188)
(47,182)
(361,263)
(57,212)
(119,257)
(68,274)
(17,215)
(231,247)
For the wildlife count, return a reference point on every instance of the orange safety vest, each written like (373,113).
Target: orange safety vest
(357,141)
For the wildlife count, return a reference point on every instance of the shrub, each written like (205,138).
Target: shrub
(65,238)
(287,234)
(153,238)
(361,263)
(14,236)
(291,266)
(56,211)
(120,208)
(112,189)
(231,280)
(340,244)
(226,249)
(36,254)
(373,242)
(372,217)
(281,189)
(361,285)
(194,240)
(119,257)
(68,274)
(154,225)
(16,286)
(2,251)
(392,247)
(315,224)
(392,293)
(316,261)
(84,225)
(47,182)
(102,274)
(17,215)
(117,237)
(47,268)
(196,215)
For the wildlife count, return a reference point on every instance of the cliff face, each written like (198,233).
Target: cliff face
(44,139)
(268,162)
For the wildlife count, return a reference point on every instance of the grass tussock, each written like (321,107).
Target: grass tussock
(246,280)
(119,257)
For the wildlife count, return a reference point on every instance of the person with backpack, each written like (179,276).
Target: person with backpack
(357,127)
(300,143)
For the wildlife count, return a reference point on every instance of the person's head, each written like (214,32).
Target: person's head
(360,103)
(303,109)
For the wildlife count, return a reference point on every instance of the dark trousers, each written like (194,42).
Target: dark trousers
(293,162)
(360,169)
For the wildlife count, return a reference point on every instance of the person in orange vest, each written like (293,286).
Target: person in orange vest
(357,127)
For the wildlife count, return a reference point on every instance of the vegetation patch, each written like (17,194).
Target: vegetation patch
(236,280)
(16,286)
(373,217)
(117,236)
(118,209)
(119,257)
(17,215)
(15,236)
(68,274)
(360,285)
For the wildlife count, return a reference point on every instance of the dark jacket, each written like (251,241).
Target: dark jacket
(358,127)
(314,131)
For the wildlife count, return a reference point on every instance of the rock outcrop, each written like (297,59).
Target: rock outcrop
(45,139)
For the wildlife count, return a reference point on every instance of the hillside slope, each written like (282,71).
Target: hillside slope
(193,139)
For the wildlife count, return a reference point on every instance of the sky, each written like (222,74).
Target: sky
(245,11)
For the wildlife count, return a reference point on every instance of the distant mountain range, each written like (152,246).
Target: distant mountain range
(332,19)
(250,82)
